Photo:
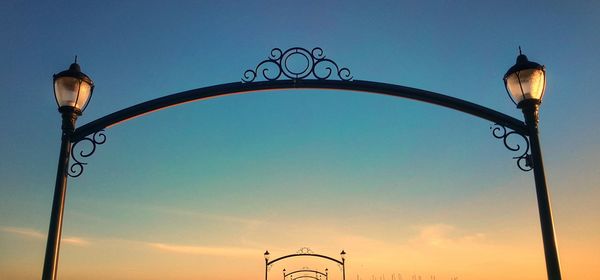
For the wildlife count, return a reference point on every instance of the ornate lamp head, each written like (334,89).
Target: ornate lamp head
(525,81)
(72,89)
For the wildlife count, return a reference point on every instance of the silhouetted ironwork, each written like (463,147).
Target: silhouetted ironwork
(97,125)
(305,252)
(524,158)
(318,275)
(355,85)
(278,64)
(97,138)
(530,112)
(320,68)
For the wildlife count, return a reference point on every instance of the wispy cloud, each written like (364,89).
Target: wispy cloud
(32,233)
(441,235)
(208,251)
(25,232)
(244,221)
(75,241)
(212,217)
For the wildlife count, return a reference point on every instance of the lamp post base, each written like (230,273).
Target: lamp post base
(69,116)
(530,111)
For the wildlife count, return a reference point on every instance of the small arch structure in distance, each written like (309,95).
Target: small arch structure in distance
(306,252)
(318,275)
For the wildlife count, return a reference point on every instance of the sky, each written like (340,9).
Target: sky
(201,190)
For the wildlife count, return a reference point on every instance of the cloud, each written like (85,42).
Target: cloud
(75,241)
(32,233)
(25,232)
(443,235)
(252,223)
(207,251)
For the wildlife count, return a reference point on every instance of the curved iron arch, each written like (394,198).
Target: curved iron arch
(305,255)
(355,85)
(304,270)
(319,68)
(306,276)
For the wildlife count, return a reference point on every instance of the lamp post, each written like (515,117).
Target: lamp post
(525,83)
(343,256)
(267,255)
(72,90)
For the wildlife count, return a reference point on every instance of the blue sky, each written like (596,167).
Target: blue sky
(320,169)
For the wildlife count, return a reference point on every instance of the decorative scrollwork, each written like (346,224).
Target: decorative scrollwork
(523,159)
(76,168)
(279,63)
(304,251)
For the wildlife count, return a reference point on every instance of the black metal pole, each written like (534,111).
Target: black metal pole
(69,116)
(266,268)
(530,111)
(343,269)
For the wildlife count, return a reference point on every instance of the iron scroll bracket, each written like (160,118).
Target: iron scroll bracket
(80,153)
(523,157)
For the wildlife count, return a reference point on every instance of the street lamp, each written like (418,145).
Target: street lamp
(343,256)
(267,255)
(72,90)
(526,83)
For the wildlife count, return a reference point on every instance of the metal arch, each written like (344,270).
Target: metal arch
(277,66)
(354,85)
(306,276)
(305,270)
(305,255)
(528,130)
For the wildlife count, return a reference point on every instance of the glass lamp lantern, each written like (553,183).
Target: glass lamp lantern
(525,81)
(73,89)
